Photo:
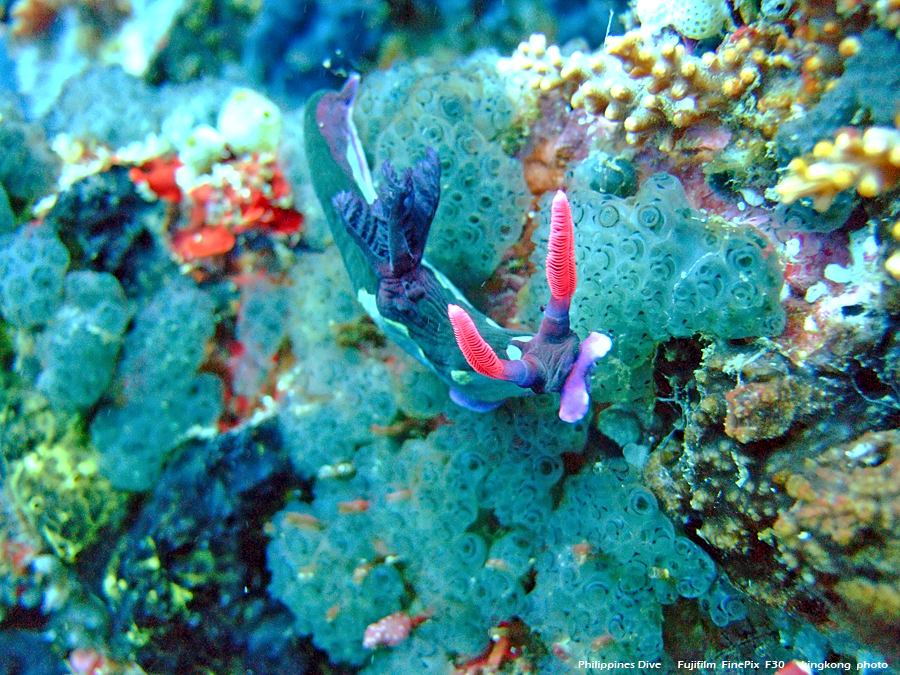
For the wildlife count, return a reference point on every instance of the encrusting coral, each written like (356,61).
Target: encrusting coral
(844,522)
(59,489)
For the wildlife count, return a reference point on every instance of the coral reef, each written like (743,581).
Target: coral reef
(695,19)
(229,198)
(260,332)
(79,346)
(53,503)
(107,106)
(363,548)
(744,468)
(188,558)
(33,263)
(110,228)
(225,180)
(764,409)
(866,92)
(28,167)
(21,547)
(204,39)
(210,461)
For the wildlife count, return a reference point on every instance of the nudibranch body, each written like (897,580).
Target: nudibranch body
(382,235)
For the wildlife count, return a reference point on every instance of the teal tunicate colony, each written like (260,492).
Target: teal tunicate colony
(162,394)
(475,525)
(86,329)
(33,265)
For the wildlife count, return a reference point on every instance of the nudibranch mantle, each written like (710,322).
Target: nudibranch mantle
(382,235)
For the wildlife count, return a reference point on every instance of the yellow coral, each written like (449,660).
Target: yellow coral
(892,264)
(868,161)
(57,488)
(878,600)
(886,12)
(33,17)
(646,83)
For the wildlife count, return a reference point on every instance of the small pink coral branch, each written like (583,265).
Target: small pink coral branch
(88,662)
(391,630)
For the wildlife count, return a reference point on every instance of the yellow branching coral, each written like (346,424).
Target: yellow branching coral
(33,17)
(892,264)
(648,83)
(886,12)
(868,161)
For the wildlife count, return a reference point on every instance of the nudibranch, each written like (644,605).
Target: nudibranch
(382,235)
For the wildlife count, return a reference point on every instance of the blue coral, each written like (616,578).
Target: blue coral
(33,263)
(163,394)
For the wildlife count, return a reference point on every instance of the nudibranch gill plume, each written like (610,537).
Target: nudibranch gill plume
(382,235)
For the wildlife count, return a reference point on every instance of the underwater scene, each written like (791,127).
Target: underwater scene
(437,337)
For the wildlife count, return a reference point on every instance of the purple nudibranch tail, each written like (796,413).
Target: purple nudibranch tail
(553,342)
